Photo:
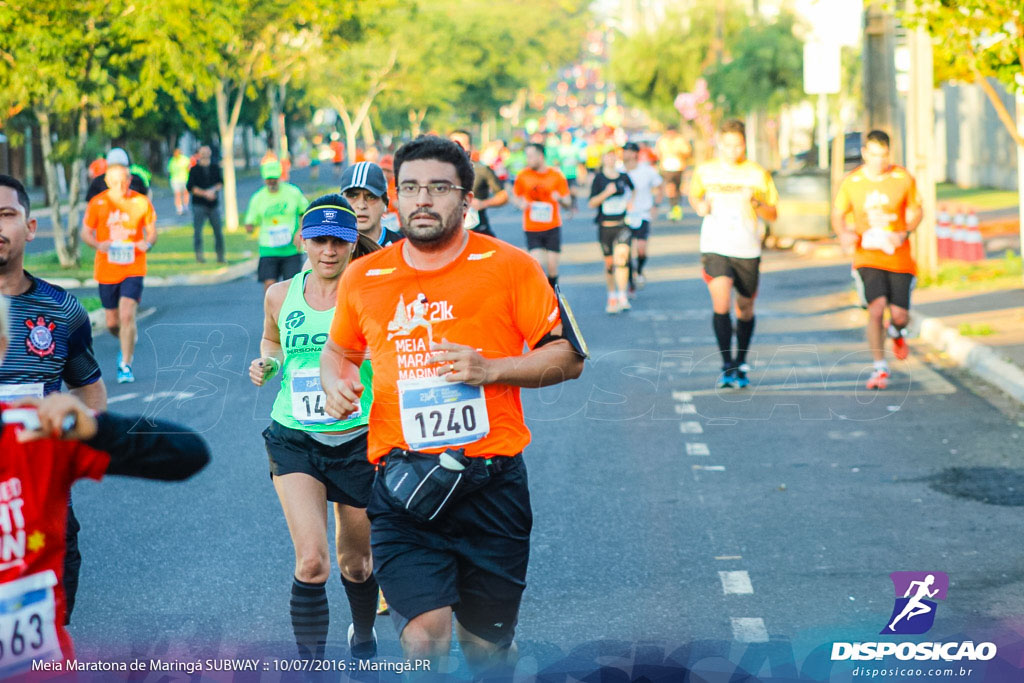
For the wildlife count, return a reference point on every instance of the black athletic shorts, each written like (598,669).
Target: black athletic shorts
(278,268)
(610,235)
(643,232)
(129,288)
(473,559)
(544,239)
(873,283)
(745,272)
(343,469)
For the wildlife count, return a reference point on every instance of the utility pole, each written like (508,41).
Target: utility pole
(920,146)
(880,75)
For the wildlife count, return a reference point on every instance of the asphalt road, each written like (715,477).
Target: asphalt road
(676,525)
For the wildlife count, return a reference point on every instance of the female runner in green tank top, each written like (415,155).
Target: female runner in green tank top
(313,457)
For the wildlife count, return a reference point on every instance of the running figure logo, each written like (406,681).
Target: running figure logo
(914,612)
(403,323)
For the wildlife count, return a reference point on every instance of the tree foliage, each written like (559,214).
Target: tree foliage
(975,40)
(764,70)
(651,67)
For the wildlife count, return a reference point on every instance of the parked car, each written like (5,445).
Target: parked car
(809,158)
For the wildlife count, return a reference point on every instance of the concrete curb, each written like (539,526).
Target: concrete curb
(213,277)
(978,358)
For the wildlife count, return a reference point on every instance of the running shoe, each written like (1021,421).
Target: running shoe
(900,348)
(899,343)
(364,651)
(382,604)
(624,304)
(727,377)
(879,379)
(676,214)
(741,381)
(613,305)
(124,374)
(640,280)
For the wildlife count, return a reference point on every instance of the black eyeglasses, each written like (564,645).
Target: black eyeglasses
(438,189)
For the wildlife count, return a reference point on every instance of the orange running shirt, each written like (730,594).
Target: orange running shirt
(121,222)
(493,297)
(542,212)
(880,204)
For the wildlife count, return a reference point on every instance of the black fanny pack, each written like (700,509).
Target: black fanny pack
(425,485)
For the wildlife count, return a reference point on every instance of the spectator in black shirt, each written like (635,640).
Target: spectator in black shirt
(204,182)
(116,157)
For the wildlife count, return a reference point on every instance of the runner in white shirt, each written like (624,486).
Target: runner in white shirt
(646,197)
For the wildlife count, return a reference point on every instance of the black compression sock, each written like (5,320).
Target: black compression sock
(310,618)
(362,600)
(744,333)
(552,280)
(640,261)
(722,324)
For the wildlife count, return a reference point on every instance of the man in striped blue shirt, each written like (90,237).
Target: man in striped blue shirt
(50,340)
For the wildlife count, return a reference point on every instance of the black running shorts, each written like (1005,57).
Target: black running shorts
(873,283)
(129,288)
(610,235)
(473,559)
(544,239)
(643,232)
(745,272)
(343,469)
(278,268)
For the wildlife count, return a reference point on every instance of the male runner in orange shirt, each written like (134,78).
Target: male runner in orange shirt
(445,314)
(886,207)
(120,224)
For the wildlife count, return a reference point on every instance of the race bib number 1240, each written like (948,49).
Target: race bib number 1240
(438,413)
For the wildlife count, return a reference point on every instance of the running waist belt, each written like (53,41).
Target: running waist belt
(426,485)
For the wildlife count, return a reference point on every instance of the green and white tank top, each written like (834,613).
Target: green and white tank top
(301,402)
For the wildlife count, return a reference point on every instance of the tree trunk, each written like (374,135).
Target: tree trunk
(275,119)
(226,124)
(67,260)
(351,127)
(1020,167)
(282,127)
(367,130)
(77,171)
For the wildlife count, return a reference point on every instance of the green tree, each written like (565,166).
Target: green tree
(764,71)
(651,67)
(975,40)
(85,65)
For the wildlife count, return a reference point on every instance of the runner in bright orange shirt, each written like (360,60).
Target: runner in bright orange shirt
(886,207)
(120,224)
(540,192)
(445,314)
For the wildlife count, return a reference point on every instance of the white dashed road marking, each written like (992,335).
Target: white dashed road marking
(749,630)
(736,583)
(691,428)
(697,449)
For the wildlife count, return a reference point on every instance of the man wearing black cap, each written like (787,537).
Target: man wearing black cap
(366,189)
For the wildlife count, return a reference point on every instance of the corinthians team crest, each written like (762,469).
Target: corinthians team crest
(40,337)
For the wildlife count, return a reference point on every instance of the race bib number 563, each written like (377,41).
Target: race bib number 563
(28,628)
(438,413)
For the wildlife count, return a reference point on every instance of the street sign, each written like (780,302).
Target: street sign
(821,68)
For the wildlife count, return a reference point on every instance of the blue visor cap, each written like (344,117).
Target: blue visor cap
(330,221)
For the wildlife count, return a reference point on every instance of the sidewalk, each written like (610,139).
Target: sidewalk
(981,331)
